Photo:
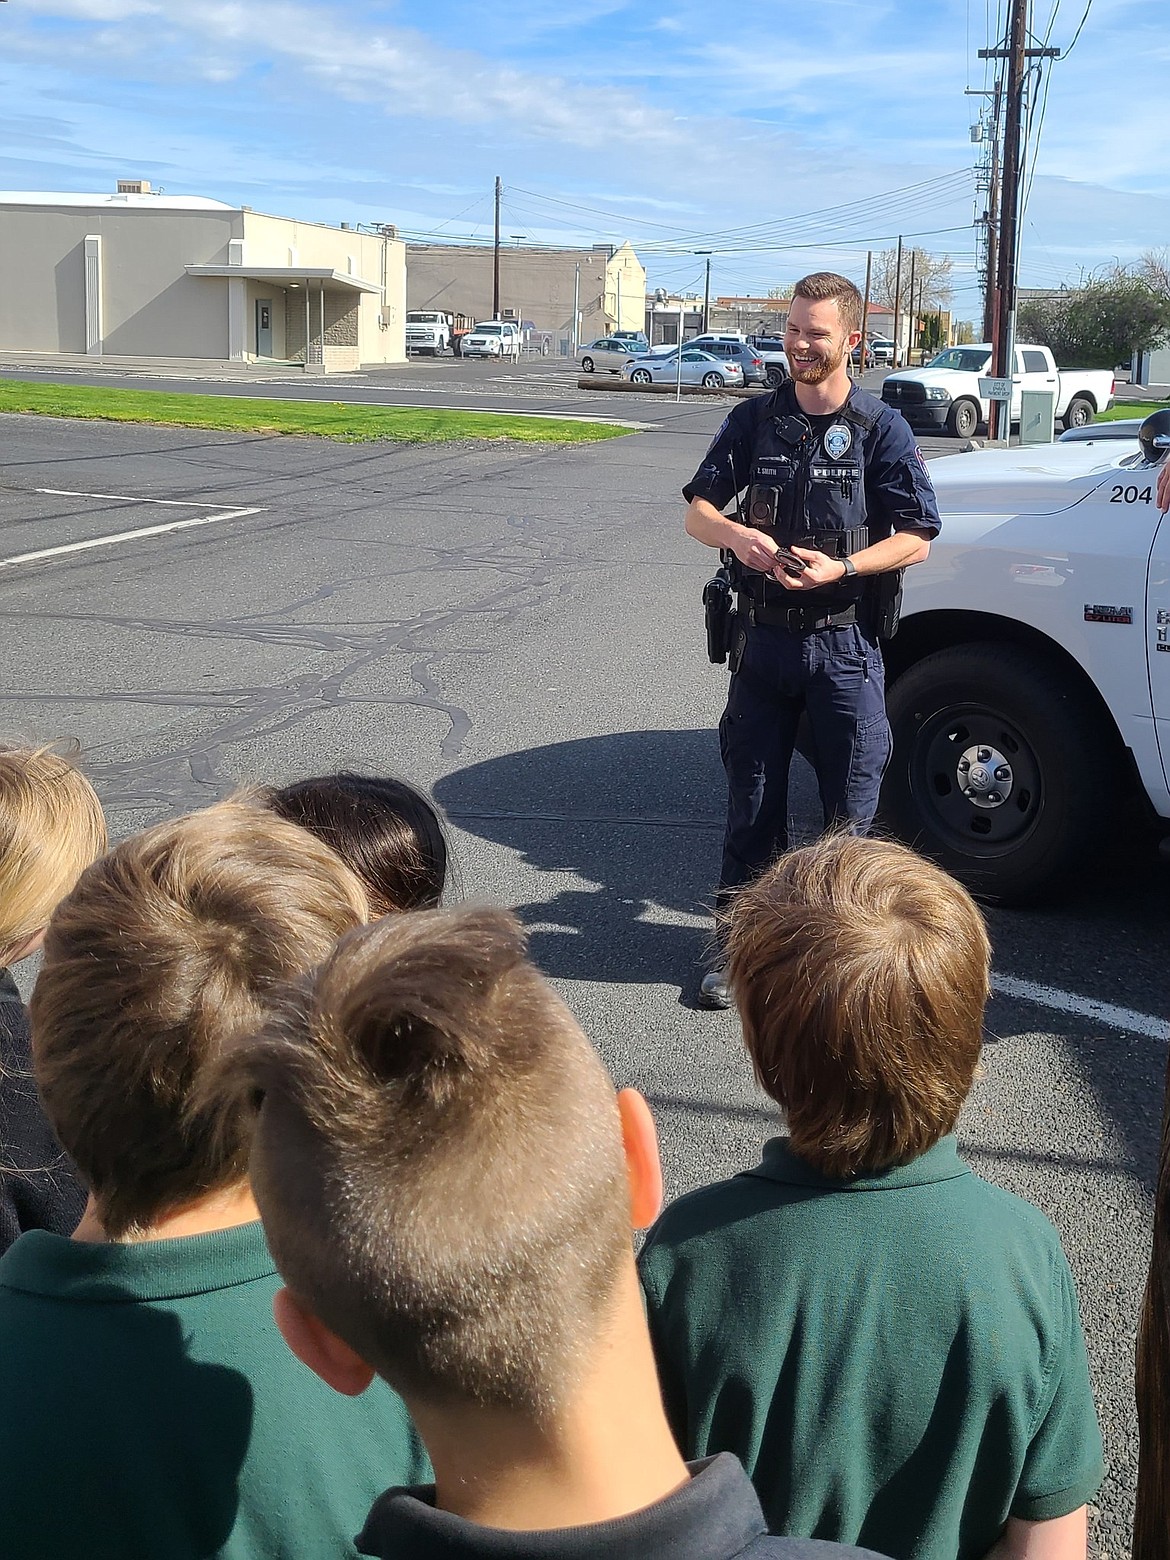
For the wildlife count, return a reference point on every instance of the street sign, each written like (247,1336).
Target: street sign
(995,389)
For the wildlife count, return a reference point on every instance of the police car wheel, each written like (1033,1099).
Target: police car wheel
(962,419)
(1003,770)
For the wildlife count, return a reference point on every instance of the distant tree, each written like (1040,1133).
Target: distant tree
(964,332)
(1099,325)
(1154,268)
(931,272)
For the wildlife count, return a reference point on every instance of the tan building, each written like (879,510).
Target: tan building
(538,287)
(142,278)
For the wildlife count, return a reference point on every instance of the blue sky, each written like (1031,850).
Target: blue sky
(780,135)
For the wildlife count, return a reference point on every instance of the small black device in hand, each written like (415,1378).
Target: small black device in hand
(793,566)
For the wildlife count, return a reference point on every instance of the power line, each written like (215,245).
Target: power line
(1080,29)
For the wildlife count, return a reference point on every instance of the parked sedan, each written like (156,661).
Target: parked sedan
(749,360)
(610,352)
(698,368)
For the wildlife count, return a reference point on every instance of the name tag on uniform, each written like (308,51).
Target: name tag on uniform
(838,473)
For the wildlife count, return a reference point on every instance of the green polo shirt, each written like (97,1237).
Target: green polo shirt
(897,1360)
(151,1410)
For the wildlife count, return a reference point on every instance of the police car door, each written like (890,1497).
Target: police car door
(1158,621)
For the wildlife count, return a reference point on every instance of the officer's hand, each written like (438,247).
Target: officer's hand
(820,570)
(1164,486)
(755,550)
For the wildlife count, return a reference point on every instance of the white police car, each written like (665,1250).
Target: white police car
(1029,683)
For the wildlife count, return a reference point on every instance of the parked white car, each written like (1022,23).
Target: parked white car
(492,338)
(609,352)
(1029,682)
(947,393)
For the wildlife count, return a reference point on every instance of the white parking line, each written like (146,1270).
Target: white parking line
(1084,1007)
(126,536)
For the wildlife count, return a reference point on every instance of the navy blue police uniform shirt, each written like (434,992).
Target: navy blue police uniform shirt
(898,488)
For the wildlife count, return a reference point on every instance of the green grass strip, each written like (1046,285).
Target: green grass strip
(345,421)
(1123,409)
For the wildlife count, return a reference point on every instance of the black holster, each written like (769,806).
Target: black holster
(719,615)
(888,602)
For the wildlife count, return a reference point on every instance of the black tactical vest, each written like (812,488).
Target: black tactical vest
(809,490)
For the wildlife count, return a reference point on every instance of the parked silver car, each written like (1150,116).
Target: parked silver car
(610,352)
(698,368)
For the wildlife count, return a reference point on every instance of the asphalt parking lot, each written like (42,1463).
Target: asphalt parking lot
(518,627)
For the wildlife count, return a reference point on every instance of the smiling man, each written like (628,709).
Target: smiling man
(839,502)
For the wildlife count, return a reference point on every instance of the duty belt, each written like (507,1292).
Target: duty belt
(798,620)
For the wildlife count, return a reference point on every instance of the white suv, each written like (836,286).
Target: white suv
(492,338)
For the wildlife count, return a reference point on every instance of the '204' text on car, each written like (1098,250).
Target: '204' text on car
(1029,681)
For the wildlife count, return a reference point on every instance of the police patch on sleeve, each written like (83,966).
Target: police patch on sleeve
(838,440)
(921,459)
(720,431)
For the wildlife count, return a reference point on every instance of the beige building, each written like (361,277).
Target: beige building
(141,278)
(538,287)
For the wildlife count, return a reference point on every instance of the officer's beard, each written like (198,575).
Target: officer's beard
(816,373)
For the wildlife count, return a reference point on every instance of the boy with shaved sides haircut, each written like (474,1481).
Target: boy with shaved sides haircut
(890,1344)
(448,1182)
(149,1406)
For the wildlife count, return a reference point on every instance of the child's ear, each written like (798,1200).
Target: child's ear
(22,950)
(643,1166)
(318,1348)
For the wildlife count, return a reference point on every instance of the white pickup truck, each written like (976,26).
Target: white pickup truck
(428,330)
(1029,682)
(946,393)
(491,338)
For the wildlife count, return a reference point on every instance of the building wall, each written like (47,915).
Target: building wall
(536,284)
(150,306)
(379,332)
(625,299)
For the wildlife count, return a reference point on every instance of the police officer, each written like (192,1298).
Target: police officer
(838,496)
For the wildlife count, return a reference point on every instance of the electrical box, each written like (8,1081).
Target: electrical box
(1037,416)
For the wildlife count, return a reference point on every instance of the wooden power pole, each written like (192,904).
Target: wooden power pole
(898,306)
(1017,53)
(862,365)
(496,257)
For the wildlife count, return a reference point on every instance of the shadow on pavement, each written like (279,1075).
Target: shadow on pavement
(637,816)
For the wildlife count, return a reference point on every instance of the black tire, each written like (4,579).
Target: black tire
(640,376)
(713,380)
(963,418)
(1079,412)
(586,365)
(1061,770)
(775,375)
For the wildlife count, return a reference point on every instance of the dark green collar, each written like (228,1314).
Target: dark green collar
(940,1163)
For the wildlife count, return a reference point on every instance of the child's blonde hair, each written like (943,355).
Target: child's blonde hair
(51,829)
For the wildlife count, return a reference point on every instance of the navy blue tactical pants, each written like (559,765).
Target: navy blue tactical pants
(837,676)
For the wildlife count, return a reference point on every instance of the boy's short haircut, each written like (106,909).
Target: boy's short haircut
(822,285)
(169,949)
(389,833)
(51,828)
(438,1161)
(861,972)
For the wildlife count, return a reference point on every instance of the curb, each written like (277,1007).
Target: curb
(624,387)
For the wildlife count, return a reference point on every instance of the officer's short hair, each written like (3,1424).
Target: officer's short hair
(438,1161)
(822,285)
(861,972)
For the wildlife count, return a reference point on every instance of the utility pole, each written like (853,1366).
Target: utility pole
(706,292)
(898,306)
(1017,53)
(989,310)
(864,349)
(576,306)
(496,257)
(910,311)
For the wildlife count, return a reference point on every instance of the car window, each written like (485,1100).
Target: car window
(1035,362)
(965,360)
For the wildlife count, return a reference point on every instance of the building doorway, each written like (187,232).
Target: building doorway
(264,327)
